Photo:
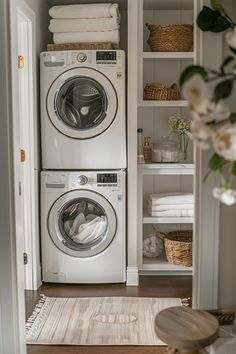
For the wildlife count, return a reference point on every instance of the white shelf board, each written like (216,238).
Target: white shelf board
(147,219)
(168,5)
(161,264)
(168,55)
(167,168)
(155,103)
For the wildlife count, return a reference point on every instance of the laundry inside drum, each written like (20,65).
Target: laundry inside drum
(83,224)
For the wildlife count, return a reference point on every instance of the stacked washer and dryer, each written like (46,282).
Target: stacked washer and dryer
(83,182)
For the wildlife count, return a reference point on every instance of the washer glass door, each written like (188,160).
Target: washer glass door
(82,223)
(82,103)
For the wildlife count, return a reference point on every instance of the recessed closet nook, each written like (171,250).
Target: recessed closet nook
(144,66)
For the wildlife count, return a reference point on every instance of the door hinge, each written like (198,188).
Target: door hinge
(21,62)
(25,258)
(22,155)
(19,188)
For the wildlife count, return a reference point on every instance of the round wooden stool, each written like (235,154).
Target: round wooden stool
(186,331)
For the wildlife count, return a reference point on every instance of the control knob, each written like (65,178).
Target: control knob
(81,57)
(82,180)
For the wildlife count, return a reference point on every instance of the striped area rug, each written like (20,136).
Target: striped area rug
(96,321)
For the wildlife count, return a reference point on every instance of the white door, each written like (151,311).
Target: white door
(27,147)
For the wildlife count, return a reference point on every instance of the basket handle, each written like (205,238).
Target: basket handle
(147,25)
(174,86)
(160,235)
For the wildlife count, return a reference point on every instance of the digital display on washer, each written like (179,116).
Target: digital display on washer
(106,56)
(106,178)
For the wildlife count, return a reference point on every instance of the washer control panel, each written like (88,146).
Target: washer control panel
(107,178)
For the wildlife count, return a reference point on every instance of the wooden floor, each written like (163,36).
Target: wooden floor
(150,286)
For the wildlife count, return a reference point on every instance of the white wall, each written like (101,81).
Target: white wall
(227,269)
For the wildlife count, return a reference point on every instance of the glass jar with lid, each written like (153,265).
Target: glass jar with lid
(165,150)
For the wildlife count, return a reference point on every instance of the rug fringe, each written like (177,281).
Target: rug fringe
(38,308)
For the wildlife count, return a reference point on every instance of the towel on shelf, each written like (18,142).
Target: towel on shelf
(85,11)
(88,37)
(171,198)
(172,213)
(84,25)
(164,207)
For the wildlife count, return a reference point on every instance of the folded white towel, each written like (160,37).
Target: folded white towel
(84,25)
(171,213)
(88,37)
(85,11)
(164,207)
(171,198)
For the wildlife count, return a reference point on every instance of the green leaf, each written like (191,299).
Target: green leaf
(221,24)
(207,176)
(234,169)
(223,90)
(232,117)
(216,162)
(191,70)
(224,183)
(233,50)
(217,5)
(207,18)
(226,62)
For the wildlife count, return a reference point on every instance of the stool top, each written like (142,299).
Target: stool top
(184,328)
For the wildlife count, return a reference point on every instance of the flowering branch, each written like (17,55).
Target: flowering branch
(206,89)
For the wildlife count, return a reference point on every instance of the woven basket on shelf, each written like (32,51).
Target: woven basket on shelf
(79,46)
(170,38)
(157,91)
(178,247)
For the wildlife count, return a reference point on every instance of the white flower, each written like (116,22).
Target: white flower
(231,38)
(224,141)
(217,111)
(196,91)
(200,133)
(226,196)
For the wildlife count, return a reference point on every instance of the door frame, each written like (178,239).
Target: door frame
(27,126)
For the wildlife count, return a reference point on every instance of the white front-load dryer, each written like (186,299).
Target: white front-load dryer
(83,114)
(83,226)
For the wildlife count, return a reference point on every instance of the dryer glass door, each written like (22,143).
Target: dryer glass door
(82,103)
(82,223)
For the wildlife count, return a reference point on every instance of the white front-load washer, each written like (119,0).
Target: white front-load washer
(83,226)
(83,113)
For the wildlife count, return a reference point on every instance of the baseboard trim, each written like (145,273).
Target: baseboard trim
(132,276)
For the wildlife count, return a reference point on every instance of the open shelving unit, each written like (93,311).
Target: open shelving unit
(163,67)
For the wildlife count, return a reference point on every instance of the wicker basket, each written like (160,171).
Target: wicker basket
(170,38)
(157,91)
(79,46)
(224,316)
(178,247)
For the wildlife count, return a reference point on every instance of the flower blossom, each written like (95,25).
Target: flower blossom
(224,141)
(200,133)
(226,196)
(196,91)
(231,38)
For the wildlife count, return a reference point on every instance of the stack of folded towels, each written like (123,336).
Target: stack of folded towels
(171,204)
(85,23)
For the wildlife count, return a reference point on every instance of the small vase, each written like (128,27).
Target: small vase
(183,147)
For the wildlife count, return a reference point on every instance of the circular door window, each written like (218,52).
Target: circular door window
(82,223)
(82,103)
